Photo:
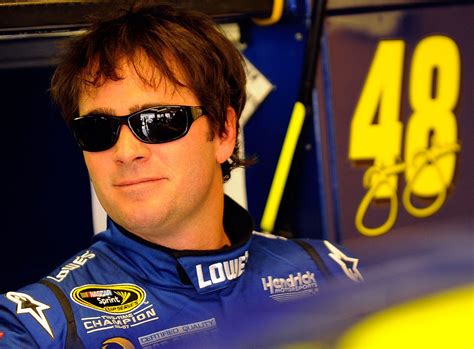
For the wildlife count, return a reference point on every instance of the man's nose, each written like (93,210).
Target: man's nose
(129,148)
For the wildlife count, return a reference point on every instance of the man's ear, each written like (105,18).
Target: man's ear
(226,141)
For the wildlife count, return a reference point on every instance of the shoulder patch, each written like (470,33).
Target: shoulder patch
(25,304)
(347,264)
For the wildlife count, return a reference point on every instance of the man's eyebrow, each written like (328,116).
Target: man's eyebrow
(133,109)
(101,111)
(139,107)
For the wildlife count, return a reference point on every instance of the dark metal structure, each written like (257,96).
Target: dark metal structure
(36,16)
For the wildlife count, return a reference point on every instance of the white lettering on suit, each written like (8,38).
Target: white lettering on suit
(222,271)
(78,262)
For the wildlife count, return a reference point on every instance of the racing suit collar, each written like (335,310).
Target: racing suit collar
(206,270)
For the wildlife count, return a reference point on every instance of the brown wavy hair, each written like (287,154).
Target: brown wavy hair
(212,68)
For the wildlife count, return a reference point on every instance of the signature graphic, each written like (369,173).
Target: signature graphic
(377,177)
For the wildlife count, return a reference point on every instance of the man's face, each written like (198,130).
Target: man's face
(154,190)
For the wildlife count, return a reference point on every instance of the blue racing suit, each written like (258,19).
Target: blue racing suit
(125,292)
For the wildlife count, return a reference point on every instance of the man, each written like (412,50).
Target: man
(153,97)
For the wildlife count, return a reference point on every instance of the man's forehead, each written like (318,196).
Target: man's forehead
(145,76)
(138,63)
(94,101)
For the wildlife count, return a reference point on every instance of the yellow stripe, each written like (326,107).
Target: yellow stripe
(283,167)
(277,12)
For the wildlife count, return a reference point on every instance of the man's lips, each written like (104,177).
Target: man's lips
(136,181)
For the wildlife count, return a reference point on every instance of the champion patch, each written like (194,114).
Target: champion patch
(111,299)
(25,304)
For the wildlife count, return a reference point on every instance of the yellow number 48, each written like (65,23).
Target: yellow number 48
(431,134)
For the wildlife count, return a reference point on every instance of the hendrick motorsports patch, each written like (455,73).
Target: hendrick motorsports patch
(111,299)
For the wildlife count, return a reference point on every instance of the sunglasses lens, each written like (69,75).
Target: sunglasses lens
(95,133)
(154,125)
(160,125)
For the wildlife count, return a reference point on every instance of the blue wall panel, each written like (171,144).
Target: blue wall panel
(278,51)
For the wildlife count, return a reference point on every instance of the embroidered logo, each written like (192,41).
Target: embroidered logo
(292,287)
(347,264)
(122,342)
(78,262)
(154,340)
(25,304)
(111,299)
(120,321)
(222,271)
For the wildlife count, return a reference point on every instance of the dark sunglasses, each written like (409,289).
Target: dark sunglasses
(97,132)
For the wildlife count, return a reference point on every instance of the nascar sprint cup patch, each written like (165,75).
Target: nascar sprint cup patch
(111,299)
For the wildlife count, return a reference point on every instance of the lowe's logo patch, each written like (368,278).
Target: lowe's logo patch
(111,299)
(222,271)
(78,262)
(291,287)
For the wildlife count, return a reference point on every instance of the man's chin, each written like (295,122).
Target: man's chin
(140,222)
